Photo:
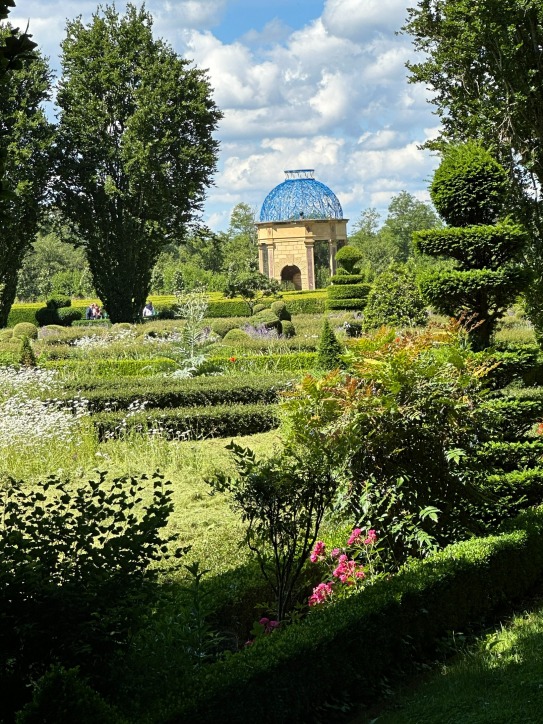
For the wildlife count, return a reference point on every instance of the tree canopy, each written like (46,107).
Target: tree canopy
(135,149)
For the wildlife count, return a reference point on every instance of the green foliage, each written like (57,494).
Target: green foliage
(266,319)
(61,695)
(348,291)
(190,423)
(329,349)
(348,257)
(235,336)
(306,303)
(76,571)
(348,279)
(228,308)
(67,315)
(221,327)
(395,423)
(25,329)
(288,329)
(135,149)
(475,247)
(279,308)
(250,286)
(27,357)
(406,214)
(469,190)
(111,368)
(397,622)
(282,501)
(26,138)
(58,301)
(394,301)
(469,187)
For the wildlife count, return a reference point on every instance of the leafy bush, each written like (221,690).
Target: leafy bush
(228,308)
(394,424)
(395,301)
(5,334)
(267,319)
(25,329)
(344,278)
(22,313)
(347,305)
(306,303)
(348,291)
(75,574)
(67,315)
(282,500)
(221,327)
(258,308)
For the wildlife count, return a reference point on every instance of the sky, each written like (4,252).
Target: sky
(317,84)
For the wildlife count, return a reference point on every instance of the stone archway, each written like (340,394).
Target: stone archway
(292,274)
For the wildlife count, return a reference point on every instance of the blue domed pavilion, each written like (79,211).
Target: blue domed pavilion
(296,215)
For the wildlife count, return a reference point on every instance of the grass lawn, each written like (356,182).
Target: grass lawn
(497,680)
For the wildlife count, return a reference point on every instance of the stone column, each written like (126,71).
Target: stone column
(309,250)
(271,260)
(332,250)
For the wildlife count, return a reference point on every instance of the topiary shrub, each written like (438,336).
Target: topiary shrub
(45,316)
(58,301)
(259,308)
(280,310)
(395,301)
(25,329)
(267,319)
(5,334)
(348,257)
(27,357)
(235,336)
(470,192)
(288,329)
(329,349)
(67,315)
(221,327)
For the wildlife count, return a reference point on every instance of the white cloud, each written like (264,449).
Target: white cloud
(357,20)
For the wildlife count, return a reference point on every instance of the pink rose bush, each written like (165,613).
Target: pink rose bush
(349,567)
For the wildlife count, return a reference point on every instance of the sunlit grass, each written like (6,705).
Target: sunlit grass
(498,680)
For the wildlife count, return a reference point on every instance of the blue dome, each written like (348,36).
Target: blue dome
(300,197)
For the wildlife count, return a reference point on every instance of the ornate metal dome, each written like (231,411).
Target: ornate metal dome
(300,197)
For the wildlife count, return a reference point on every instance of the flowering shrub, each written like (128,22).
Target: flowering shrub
(347,567)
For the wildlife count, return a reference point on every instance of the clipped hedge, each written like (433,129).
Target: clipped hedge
(348,279)
(228,308)
(348,291)
(190,423)
(171,393)
(511,418)
(514,363)
(112,367)
(293,362)
(308,303)
(354,644)
(355,305)
(508,456)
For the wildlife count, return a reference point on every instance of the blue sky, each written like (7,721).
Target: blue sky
(302,83)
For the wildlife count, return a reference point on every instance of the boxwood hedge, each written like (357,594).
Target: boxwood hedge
(353,645)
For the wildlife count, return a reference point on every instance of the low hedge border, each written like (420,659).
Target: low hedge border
(354,644)
(170,393)
(112,367)
(346,304)
(190,423)
(292,362)
(349,291)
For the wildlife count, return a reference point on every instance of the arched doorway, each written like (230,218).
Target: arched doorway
(293,275)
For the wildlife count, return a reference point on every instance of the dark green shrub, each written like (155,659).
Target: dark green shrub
(76,574)
(348,257)
(353,329)
(46,316)
(27,357)
(58,301)
(164,311)
(67,315)
(61,695)
(228,308)
(469,191)
(25,329)
(395,301)
(329,349)
(288,329)
(22,313)
(280,310)
(469,187)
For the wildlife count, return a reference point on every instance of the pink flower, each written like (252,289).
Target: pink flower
(320,594)
(264,621)
(335,552)
(355,535)
(371,539)
(318,552)
(347,571)
(273,625)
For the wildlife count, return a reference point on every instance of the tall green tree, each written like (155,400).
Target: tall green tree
(484,64)
(406,214)
(240,241)
(135,149)
(25,146)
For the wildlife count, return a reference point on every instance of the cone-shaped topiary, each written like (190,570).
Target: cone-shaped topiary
(27,357)
(469,191)
(329,349)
